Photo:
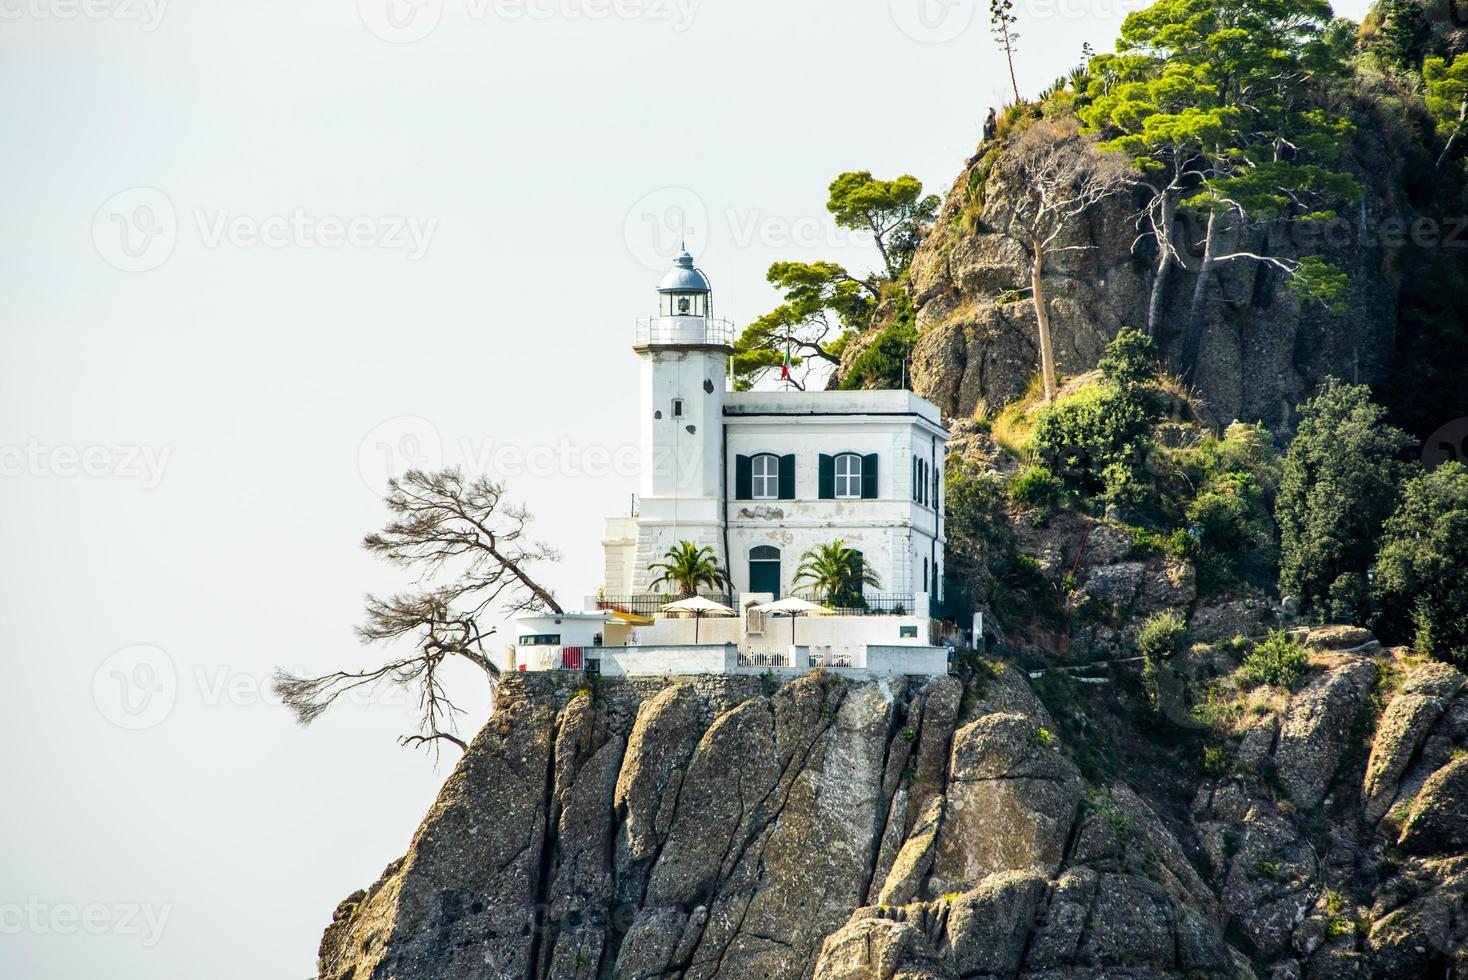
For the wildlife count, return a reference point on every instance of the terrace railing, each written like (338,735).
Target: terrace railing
(651,604)
(764,658)
(868,604)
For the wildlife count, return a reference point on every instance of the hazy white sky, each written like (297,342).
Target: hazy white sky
(258,254)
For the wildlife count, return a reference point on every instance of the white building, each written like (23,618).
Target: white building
(760,477)
(763,476)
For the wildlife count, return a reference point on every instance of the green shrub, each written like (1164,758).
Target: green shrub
(881,364)
(1340,482)
(1097,440)
(1422,570)
(1279,661)
(1160,638)
(1162,635)
(1036,487)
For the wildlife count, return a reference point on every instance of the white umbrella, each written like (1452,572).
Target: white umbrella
(700,607)
(792,607)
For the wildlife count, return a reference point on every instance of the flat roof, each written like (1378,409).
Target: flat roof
(816,403)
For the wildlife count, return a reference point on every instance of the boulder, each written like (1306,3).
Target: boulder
(910,869)
(1439,820)
(1012,799)
(1403,726)
(871,948)
(1317,729)
(988,925)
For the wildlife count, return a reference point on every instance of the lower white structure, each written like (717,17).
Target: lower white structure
(615,644)
(761,478)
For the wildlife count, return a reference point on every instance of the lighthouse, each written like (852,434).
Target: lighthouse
(684,353)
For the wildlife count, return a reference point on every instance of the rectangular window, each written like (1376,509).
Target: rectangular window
(848,476)
(765,478)
(541,640)
(677,408)
(907,632)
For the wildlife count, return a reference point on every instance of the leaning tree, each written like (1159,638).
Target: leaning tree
(474,558)
(1058,176)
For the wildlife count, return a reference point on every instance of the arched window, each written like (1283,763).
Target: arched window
(848,476)
(764,474)
(764,570)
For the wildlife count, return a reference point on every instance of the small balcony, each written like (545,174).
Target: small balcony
(684,331)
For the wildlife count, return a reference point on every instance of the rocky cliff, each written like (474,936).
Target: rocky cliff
(1263,349)
(737,828)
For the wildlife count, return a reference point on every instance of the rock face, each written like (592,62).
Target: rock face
(734,829)
(1263,350)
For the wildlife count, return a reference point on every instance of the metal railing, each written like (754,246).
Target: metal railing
(834,659)
(675,330)
(866,604)
(765,658)
(651,604)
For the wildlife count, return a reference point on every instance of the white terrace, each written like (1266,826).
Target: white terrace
(892,637)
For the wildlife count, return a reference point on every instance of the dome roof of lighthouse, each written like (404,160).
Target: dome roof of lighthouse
(684,277)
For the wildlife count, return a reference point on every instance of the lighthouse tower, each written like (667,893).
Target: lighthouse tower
(684,352)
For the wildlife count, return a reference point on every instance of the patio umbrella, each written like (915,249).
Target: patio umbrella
(792,607)
(700,607)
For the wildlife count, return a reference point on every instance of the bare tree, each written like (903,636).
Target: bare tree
(1057,176)
(463,533)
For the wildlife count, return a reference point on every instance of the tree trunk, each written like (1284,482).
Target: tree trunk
(1462,115)
(1042,318)
(1164,266)
(1193,339)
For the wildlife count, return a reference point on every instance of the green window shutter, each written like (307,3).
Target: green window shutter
(787,476)
(743,479)
(869,477)
(827,477)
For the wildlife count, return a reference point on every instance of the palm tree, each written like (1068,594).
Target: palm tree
(688,567)
(837,573)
